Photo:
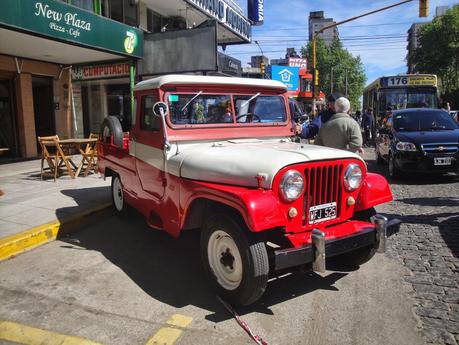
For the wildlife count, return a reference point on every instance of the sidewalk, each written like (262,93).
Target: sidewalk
(32,211)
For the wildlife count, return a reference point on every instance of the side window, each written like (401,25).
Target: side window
(149,121)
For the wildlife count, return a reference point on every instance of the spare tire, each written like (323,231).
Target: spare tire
(111,128)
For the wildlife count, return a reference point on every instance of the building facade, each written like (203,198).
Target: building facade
(317,21)
(66,64)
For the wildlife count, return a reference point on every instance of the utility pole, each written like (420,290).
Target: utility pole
(316,35)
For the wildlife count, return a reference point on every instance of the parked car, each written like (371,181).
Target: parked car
(419,141)
(215,154)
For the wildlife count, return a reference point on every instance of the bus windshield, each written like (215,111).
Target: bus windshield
(402,98)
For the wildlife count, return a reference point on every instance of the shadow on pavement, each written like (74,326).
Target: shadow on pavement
(449,230)
(169,269)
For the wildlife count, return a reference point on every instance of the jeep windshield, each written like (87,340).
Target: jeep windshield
(412,121)
(203,109)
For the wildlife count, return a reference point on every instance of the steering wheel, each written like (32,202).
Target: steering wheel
(249,117)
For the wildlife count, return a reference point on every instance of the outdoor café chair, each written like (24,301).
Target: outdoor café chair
(52,152)
(89,155)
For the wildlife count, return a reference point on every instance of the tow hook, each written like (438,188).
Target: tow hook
(318,242)
(380,223)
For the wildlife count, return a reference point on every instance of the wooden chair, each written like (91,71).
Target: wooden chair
(52,152)
(89,155)
(51,157)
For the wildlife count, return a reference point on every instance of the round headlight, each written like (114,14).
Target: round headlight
(291,185)
(352,177)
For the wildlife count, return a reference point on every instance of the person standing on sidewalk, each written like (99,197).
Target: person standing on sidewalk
(341,131)
(367,125)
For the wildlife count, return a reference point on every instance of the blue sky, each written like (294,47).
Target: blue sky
(286,25)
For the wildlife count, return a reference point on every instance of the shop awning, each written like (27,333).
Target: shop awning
(38,29)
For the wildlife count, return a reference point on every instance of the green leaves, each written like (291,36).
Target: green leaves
(438,50)
(335,62)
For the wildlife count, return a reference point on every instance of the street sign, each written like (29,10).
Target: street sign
(287,75)
(298,62)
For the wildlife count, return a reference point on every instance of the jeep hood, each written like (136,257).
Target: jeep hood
(238,162)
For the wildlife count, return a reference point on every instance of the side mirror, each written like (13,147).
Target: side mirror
(160,109)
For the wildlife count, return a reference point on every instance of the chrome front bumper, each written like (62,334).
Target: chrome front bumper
(317,253)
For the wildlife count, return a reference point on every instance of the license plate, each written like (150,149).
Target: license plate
(442,161)
(321,213)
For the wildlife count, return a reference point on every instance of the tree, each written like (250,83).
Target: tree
(338,59)
(438,50)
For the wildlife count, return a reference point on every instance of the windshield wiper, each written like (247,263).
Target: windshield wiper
(191,100)
(250,99)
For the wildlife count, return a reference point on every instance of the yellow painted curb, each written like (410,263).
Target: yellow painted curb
(36,236)
(22,334)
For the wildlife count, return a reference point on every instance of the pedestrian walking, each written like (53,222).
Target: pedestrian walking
(310,130)
(341,131)
(367,125)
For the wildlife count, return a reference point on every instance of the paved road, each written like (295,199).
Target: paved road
(118,282)
(428,246)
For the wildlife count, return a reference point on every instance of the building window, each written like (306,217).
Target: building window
(84,4)
(154,21)
(124,11)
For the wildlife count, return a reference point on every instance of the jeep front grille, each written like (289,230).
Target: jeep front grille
(323,185)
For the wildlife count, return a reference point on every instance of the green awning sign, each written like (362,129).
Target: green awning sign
(60,21)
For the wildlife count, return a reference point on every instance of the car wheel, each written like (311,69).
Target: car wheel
(236,264)
(118,201)
(362,255)
(393,171)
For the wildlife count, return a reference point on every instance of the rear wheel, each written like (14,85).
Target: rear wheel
(362,255)
(235,263)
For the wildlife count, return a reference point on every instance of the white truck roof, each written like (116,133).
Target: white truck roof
(179,79)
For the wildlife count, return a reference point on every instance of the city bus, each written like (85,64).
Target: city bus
(400,92)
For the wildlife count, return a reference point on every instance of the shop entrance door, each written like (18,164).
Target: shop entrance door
(8,131)
(43,106)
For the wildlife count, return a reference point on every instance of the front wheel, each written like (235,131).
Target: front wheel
(118,201)
(236,264)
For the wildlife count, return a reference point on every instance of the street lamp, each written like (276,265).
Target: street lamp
(262,63)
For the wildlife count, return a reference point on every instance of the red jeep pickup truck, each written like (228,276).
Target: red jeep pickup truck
(216,154)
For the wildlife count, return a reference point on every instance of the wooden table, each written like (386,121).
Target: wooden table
(81,146)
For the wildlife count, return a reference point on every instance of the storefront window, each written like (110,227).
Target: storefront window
(116,10)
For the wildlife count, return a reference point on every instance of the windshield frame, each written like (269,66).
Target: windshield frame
(231,96)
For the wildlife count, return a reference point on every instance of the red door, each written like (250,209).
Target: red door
(148,139)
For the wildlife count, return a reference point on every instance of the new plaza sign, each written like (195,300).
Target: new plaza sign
(57,20)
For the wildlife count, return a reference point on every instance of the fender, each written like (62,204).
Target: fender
(375,190)
(259,208)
